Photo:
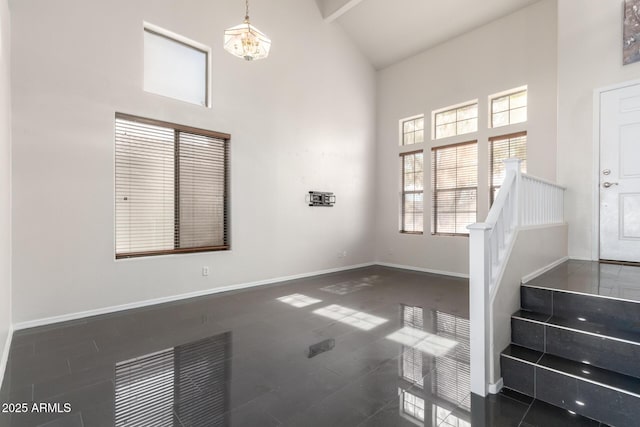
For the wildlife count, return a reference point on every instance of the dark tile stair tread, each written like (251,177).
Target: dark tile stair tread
(591,373)
(583,287)
(585,326)
(522,353)
(580,370)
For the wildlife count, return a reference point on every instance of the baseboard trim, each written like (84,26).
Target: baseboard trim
(5,354)
(529,277)
(496,387)
(114,309)
(423,270)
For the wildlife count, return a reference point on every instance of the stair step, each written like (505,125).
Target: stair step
(611,313)
(580,341)
(587,390)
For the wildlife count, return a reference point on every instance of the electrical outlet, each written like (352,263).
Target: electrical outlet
(344,254)
(205,271)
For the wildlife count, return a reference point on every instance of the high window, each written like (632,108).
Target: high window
(509,109)
(455,187)
(412,130)
(455,121)
(412,215)
(171,192)
(502,148)
(175,66)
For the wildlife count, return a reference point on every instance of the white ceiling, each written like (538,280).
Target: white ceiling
(387,31)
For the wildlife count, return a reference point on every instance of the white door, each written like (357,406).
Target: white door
(620,174)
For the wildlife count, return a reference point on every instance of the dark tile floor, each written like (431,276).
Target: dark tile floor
(609,280)
(367,347)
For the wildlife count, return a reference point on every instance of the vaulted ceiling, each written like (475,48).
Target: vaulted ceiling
(388,31)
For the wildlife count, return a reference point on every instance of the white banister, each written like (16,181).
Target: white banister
(522,201)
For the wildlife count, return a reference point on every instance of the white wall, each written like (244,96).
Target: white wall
(589,57)
(5,181)
(301,120)
(517,50)
(533,249)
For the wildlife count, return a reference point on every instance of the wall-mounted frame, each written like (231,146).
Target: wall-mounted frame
(321,198)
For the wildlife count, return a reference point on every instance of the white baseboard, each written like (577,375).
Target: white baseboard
(5,354)
(544,269)
(112,309)
(496,387)
(424,270)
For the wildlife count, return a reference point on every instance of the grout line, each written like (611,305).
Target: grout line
(526,412)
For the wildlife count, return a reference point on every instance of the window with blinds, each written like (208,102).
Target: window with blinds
(171,192)
(412,215)
(509,109)
(412,130)
(455,121)
(454,177)
(502,148)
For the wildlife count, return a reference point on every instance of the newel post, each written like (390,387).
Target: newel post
(479,280)
(513,164)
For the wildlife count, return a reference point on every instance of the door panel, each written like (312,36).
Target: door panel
(620,174)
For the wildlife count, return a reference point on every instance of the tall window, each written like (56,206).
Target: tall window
(175,66)
(502,148)
(456,121)
(171,188)
(455,187)
(412,130)
(412,216)
(509,109)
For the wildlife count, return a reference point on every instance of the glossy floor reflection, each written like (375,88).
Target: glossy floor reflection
(370,347)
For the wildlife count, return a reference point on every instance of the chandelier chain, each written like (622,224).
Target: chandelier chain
(246,15)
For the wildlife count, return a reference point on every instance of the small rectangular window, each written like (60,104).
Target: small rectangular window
(455,185)
(509,109)
(412,192)
(175,66)
(456,121)
(171,188)
(412,131)
(502,148)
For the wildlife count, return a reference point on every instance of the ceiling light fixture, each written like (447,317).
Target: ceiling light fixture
(246,41)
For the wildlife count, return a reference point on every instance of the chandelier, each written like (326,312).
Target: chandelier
(246,41)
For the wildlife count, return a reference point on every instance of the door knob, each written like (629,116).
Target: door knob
(609,184)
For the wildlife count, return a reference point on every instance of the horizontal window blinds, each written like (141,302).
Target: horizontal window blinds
(412,192)
(502,148)
(171,189)
(455,186)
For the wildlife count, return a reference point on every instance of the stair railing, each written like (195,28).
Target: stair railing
(523,200)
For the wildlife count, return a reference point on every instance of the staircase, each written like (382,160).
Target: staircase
(577,351)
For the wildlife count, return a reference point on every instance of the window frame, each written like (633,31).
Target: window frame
(434,183)
(185,41)
(403,193)
(456,107)
(402,133)
(508,94)
(177,128)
